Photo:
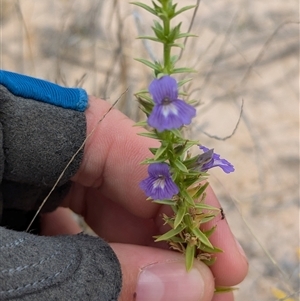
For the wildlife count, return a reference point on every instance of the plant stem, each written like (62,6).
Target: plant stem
(167,47)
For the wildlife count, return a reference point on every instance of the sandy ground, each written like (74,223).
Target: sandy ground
(246,51)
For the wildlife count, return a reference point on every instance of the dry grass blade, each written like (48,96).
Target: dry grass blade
(190,27)
(72,159)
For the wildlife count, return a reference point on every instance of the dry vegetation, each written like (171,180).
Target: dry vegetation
(246,50)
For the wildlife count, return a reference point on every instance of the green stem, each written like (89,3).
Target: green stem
(167,47)
(167,50)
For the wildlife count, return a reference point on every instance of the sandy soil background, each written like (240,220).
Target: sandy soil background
(245,50)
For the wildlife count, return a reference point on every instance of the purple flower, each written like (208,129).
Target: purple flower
(209,160)
(169,112)
(159,185)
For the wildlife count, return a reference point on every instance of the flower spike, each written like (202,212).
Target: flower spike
(176,178)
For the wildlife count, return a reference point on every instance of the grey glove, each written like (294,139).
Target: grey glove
(37,140)
(78,267)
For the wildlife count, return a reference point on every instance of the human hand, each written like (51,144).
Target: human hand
(106,193)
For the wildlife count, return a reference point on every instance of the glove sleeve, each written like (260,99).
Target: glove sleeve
(39,136)
(44,91)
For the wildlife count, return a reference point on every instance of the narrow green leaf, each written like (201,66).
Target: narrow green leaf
(189,181)
(140,123)
(145,110)
(207,219)
(144,6)
(189,144)
(186,35)
(156,7)
(171,9)
(177,133)
(180,45)
(187,197)
(182,82)
(180,166)
(145,99)
(197,174)
(194,102)
(148,63)
(210,250)
(165,202)
(160,151)
(189,256)
(184,9)
(151,161)
(160,75)
(181,93)
(179,149)
(149,38)
(191,162)
(177,239)
(153,150)
(177,28)
(182,148)
(158,25)
(225,289)
(200,192)
(174,32)
(149,135)
(202,237)
(159,34)
(174,59)
(188,221)
(179,216)
(184,70)
(205,207)
(209,232)
(170,233)
(163,15)
(141,92)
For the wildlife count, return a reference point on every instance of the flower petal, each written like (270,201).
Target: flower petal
(171,116)
(165,87)
(216,161)
(157,169)
(159,185)
(204,148)
(224,164)
(186,111)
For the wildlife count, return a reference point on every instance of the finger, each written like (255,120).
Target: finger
(160,275)
(111,160)
(115,224)
(232,258)
(61,221)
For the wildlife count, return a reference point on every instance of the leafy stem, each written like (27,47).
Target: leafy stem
(175,177)
(167,47)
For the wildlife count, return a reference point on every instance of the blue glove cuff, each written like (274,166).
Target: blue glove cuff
(44,91)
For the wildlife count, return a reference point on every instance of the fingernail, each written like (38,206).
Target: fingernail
(169,281)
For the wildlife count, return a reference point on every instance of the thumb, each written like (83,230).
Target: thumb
(151,274)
